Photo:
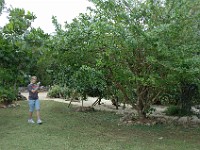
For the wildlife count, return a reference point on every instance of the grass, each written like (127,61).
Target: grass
(65,129)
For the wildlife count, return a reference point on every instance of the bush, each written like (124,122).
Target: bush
(58,92)
(7,95)
(173,110)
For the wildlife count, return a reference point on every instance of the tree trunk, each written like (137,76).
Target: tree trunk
(141,98)
(140,108)
(118,86)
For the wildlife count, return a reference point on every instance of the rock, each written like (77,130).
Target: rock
(183,120)
(195,120)
(21,97)
(2,106)
(156,115)
(153,123)
(128,117)
(17,104)
(174,118)
(148,124)
(161,120)
(130,122)
(195,110)
(11,105)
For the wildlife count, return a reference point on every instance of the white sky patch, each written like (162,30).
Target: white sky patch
(65,10)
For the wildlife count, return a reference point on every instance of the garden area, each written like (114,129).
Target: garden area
(140,59)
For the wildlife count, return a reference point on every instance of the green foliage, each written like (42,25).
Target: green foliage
(57,91)
(7,95)
(88,79)
(173,110)
(155,51)
(36,38)
(16,57)
(35,42)
(19,22)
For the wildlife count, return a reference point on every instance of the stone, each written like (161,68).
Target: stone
(162,120)
(183,120)
(195,110)
(17,104)
(195,120)
(9,106)
(2,106)
(13,105)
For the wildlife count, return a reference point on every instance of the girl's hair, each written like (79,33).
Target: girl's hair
(33,77)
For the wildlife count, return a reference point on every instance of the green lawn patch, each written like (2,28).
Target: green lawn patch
(66,129)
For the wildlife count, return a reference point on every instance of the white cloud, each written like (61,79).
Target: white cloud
(65,10)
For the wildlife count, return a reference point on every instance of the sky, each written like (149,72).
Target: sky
(65,10)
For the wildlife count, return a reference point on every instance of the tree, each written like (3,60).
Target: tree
(148,39)
(15,56)
(35,42)
(142,48)
(87,79)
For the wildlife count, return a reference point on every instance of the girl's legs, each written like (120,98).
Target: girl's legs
(37,107)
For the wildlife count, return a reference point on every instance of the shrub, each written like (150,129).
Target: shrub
(7,95)
(173,110)
(58,92)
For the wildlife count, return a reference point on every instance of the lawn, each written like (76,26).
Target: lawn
(66,129)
